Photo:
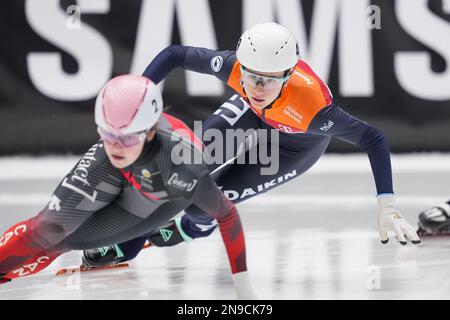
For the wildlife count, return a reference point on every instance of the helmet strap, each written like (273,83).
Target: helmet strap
(151,134)
(287,72)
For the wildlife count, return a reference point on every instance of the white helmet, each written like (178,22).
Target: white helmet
(128,104)
(268,47)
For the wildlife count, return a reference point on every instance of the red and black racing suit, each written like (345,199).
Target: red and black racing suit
(96,205)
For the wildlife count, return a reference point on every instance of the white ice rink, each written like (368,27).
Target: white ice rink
(312,238)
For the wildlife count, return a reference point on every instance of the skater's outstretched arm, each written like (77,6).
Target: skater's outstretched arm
(202,60)
(334,121)
(210,199)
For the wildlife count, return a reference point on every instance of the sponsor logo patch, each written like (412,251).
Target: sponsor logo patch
(181,184)
(216,63)
(80,174)
(146,174)
(326,126)
(54,204)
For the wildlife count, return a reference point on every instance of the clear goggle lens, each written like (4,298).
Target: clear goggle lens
(126,140)
(268,83)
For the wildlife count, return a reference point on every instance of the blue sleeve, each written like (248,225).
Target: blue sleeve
(334,121)
(217,63)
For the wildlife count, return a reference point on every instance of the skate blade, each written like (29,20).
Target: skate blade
(147,245)
(83,268)
(438,233)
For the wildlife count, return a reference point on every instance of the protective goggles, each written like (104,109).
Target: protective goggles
(269,83)
(126,140)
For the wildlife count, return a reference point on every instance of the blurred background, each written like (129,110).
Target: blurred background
(386,62)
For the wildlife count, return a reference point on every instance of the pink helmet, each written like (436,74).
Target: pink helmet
(128,104)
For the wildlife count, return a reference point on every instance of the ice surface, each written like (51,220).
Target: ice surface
(312,238)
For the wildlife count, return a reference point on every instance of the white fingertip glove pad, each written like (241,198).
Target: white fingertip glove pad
(390,219)
(243,286)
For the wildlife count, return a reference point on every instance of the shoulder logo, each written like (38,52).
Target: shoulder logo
(326,126)
(216,63)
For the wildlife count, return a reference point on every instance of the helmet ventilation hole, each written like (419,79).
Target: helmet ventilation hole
(251,43)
